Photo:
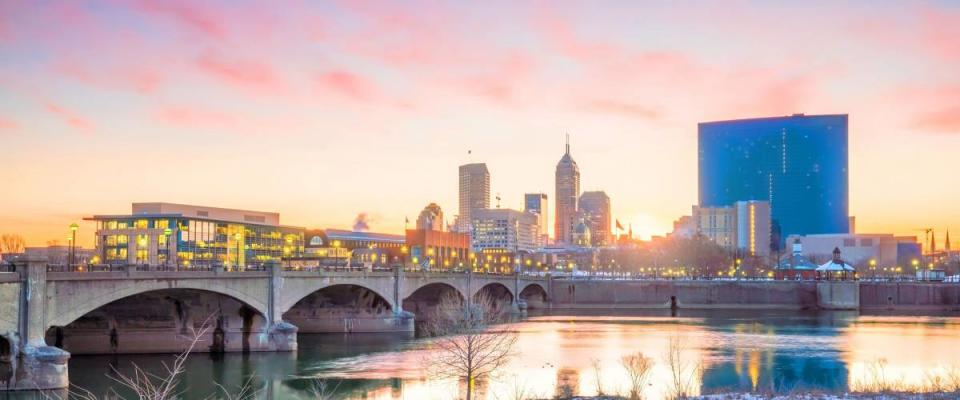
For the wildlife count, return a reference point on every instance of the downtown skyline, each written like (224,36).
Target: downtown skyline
(297,112)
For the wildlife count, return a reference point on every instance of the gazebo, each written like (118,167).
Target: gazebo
(836,269)
(795,265)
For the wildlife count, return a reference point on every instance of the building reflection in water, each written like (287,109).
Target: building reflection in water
(748,351)
(764,358)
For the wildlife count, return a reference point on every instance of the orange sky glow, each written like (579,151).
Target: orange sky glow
(325,110)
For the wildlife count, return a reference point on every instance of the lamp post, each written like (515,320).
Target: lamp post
(167,233)
(73,243)
(69,252)
(237,237)
(288,249)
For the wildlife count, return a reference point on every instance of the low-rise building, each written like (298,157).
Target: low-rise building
(436,250)
(188,236)
(868,252)
(358,249)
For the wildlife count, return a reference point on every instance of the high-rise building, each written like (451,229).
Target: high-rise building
(743,226)
(797,163)
(567,193)
(595,209)
(536,203)
(474,193)
(431,218)
(504,230)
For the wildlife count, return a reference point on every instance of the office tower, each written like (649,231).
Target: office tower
(536,203)
(594,207)
(797,163)
(567,192)
(474,193)
(743,226)
(503,230)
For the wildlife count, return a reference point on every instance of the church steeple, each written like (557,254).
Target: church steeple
(946,244)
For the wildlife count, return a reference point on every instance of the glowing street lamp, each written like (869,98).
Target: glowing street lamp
(73,242)
(167,232)
(238,237)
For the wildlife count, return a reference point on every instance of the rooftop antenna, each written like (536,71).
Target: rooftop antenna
(568,143)
(498,199)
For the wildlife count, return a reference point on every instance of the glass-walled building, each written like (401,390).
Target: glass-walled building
(797,163)
(167,234)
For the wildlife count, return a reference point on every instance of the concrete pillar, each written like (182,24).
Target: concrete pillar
(401,318)
(518,305)
(38,366)
(838,295)
(282,336)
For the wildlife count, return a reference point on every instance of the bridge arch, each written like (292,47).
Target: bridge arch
(496,290)
(95,299)
(424,299)
(343,308)
(295,291)
(161,320)
(535,295)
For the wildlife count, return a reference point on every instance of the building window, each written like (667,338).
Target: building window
(849,242)
(866,242)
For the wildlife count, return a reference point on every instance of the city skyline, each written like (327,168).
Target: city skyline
(323,138)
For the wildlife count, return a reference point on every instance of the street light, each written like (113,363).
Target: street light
(167,233)
(73,243)
(237,237)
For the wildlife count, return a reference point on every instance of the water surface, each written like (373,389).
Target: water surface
(719,351)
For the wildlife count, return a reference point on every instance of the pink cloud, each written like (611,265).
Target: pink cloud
(195,117)
(946,119)
(506,76)
(142,79)
(624,108)
(245,74)
(347,84)
(188,14)
(7,125)
(80,123)
(941,32)
(933,109)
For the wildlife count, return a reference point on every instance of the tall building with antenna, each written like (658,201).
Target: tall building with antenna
(567,194)
(474,193)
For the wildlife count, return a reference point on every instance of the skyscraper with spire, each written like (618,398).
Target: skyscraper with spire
(567,193)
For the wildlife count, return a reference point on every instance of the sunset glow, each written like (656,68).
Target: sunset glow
(325,110)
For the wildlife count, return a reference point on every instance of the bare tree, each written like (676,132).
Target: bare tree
(147,385)
(467,344)
(597,375)
(321,389)
(683,374)
(12,243)
(638,367)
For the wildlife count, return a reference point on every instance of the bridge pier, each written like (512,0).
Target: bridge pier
(36,365)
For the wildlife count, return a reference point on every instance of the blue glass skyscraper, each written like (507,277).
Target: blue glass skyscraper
(797,163)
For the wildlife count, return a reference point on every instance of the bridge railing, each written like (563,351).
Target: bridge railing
(82,268)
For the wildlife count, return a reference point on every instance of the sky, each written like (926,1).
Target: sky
(324,110)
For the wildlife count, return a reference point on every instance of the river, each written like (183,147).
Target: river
(720,351)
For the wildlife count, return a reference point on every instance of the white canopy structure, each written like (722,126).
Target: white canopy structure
(836,269)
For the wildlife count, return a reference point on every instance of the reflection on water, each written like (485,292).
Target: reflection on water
(717,352)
